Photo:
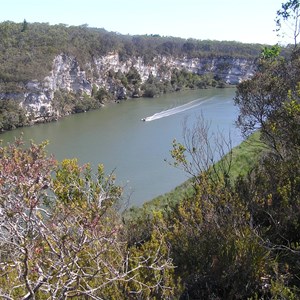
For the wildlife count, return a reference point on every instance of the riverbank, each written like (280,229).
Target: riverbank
(14,114)
(116,137)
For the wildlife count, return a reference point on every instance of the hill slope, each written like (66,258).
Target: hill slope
(50,71)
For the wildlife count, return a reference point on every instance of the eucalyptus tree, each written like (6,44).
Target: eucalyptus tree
(287,20)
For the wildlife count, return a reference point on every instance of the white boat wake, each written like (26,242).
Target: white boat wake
(176,110)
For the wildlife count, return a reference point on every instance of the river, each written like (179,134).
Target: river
(134,149)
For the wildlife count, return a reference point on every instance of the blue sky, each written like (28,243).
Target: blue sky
(249,21)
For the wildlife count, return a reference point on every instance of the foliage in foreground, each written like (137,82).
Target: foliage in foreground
(239,239)
(62,237)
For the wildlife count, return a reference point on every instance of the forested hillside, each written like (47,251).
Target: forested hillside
(47,72)
(28,49)
(62,234)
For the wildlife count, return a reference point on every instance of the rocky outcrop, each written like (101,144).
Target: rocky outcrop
(231,70)
(69,76)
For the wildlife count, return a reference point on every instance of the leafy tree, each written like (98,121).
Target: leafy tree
(25,26)
(102,95)
(271,190)
(12,115)
(270,52)
(133,76)
(289,15)
(260,96)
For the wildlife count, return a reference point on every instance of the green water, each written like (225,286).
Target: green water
(133,149)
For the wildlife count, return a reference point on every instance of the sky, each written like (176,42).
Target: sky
(247,21)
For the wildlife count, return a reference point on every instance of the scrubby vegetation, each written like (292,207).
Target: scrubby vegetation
(63,237)
(233,230)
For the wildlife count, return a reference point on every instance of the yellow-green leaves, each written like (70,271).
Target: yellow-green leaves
(178,153)
(62,236)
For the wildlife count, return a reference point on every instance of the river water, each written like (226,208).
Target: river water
(134,149)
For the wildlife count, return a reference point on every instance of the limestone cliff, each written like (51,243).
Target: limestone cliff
(67,75)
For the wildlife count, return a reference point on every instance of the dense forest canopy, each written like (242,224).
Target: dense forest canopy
(27,49)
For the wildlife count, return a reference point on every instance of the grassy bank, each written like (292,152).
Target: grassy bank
(243,157)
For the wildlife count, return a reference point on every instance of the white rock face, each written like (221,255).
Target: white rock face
(67,75)
(232,71)
(112,62)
